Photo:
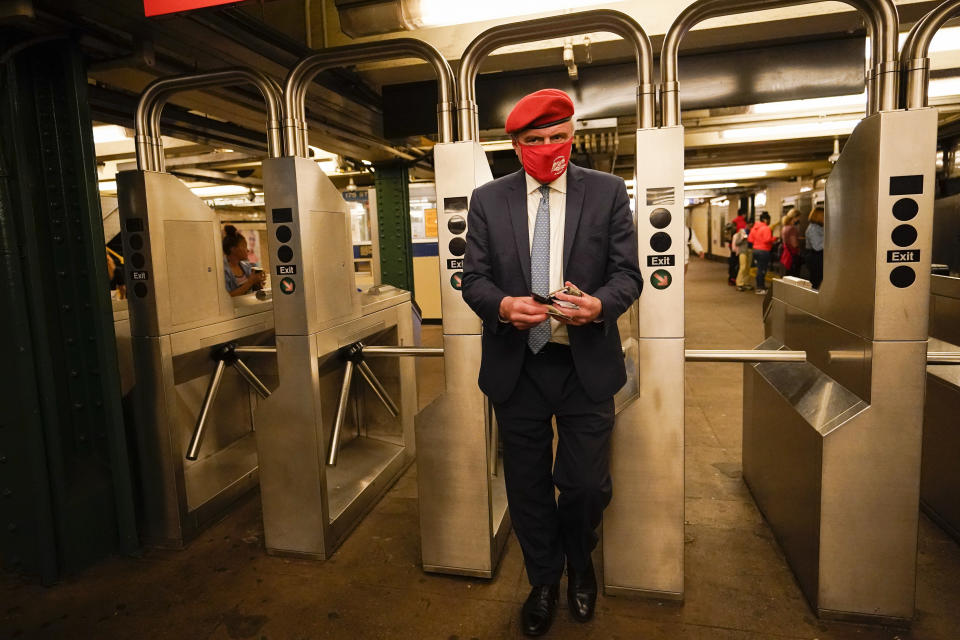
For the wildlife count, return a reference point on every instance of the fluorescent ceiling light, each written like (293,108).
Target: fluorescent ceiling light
(940,87)
(320,154)
(436,13)
(220,190)
(107,186)
(812,129)
(713,185)
(109,133)
(328,166)
(732,172)
(812,105)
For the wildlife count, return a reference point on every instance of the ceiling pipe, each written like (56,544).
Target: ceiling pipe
(882,26)
(149,145)
(915,54)
(562,26)
(300,77)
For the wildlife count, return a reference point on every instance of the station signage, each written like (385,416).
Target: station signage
(661,261)
(161,7)
(903,255)
(286,269)
(139,275)
(455,263)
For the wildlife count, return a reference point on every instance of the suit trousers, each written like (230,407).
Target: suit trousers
(551,527)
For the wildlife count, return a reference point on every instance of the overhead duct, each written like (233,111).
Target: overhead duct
(372,17)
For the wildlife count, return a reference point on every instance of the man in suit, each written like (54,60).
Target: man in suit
(552,225)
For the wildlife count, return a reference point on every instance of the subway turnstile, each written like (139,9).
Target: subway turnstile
(831,448)
(463,504)
(180,315)
(338,431)
(643,526)
(180,312)
(315,489)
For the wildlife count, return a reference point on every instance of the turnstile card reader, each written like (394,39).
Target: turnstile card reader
(180,312)
(312,499)
(831,448)
(463,506)
(643,525)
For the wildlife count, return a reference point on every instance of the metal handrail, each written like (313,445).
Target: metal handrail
(300,77)
(743,355)
(943,357)
(149,145)
(555,27)
(882,24)
(914,55)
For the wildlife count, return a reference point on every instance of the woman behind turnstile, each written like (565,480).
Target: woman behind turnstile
(194,417)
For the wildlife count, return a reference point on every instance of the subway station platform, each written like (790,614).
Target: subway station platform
(738,584)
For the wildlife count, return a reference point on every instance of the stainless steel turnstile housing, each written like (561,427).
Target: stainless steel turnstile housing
(310,505)
(831,448)
(179,312)
(463,504)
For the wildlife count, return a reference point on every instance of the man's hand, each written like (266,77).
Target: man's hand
(590,308)
(702,255)
(523,313)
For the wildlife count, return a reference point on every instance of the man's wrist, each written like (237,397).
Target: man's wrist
(500,311)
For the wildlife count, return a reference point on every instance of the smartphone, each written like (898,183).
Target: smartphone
(541,299)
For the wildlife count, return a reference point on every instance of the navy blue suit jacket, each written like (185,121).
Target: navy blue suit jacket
(599,256)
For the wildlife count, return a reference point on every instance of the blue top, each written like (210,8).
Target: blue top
(231,280)
(814,236)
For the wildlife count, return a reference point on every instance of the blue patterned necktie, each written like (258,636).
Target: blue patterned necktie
(540,267)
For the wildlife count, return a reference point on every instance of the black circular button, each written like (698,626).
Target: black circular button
(140,290)
(660,218)
(457,225)
(903,276)
(137,260)
(458,246)
(136,241)
(905,209)
(283,233)
(904,235)
(285,254)
(660,241)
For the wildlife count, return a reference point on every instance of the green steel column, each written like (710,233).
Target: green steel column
(65,484)
(393,222)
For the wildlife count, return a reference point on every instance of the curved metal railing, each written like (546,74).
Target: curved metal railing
(882,24)
(149,146)
(914,56)
(555,27)
(300,77)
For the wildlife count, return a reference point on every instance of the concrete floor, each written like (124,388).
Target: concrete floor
(737,582)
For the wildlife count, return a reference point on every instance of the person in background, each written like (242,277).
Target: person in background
(761,237)
(115,274)
(813,255)
(740,222)
(740,245)
(692,241)
(733,260)
(790,236)
(238,273)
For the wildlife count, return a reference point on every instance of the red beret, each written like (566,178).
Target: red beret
(540,109)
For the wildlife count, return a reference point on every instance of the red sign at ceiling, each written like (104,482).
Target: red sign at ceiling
(160,7)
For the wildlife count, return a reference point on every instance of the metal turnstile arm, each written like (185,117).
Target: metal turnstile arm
(193,449)
(378,388)
(943,357)
(745,355)
(341,414)
(224,355)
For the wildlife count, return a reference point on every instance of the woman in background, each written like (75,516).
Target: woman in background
(761,237)
(813,256)
(790,237)
(238,274)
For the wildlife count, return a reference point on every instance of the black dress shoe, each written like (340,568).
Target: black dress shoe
(581,592)
(538,609)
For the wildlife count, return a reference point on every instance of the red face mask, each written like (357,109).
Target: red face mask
(546,162)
